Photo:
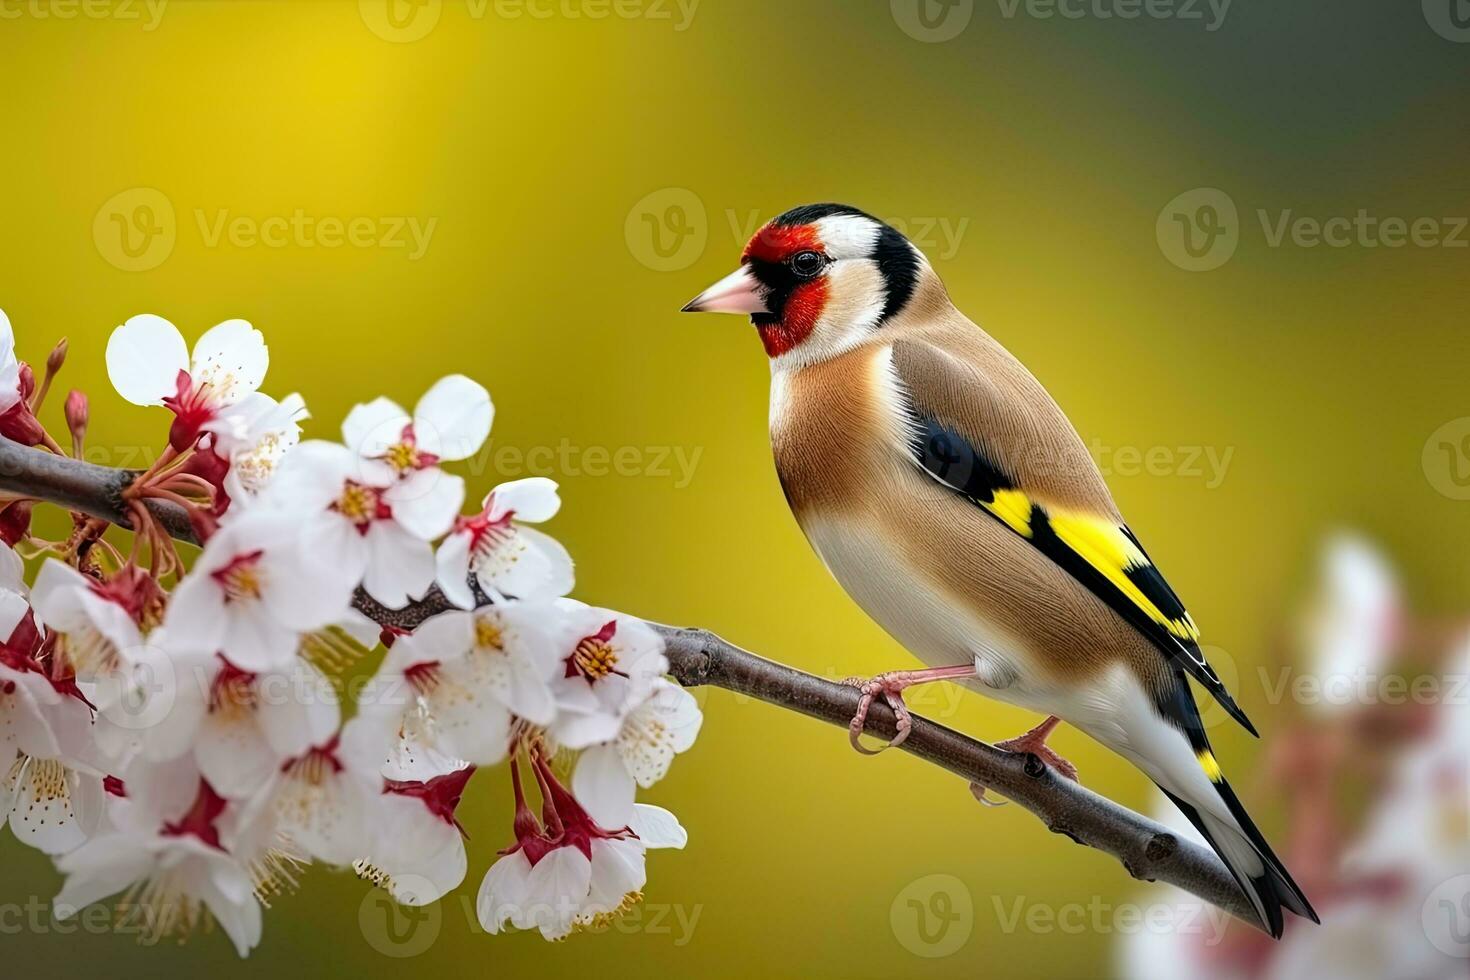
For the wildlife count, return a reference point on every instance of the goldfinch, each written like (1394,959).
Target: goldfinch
(950,496)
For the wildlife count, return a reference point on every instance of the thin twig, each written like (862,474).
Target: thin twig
(1147,850)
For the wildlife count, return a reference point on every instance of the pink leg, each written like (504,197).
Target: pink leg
(1034,742)
(892,685)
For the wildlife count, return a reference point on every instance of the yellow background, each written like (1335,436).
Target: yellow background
(538,145)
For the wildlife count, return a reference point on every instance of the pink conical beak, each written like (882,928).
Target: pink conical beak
(739,292)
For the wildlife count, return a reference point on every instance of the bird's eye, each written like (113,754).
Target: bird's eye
(807,264)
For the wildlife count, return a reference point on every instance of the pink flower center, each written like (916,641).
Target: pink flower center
(594,657)
(241,578)
(361,505)
(405,456)
(200,820)
(193,407)
(440,794)
(233,690)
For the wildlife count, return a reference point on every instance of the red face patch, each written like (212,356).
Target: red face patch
(777,243)
(797,304)
(798,318)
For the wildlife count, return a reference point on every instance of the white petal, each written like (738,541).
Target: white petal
(604,787)
(530,565)
(297,709)
(236,910)
(196,613)
(657,827)
(144,358)
(558,888)
(503,893)
(12,567)
(427,502)
(370,429)
(9,367)
(97,869)
(255,640)
(42,816)
(400,566)
(234,755)
(13,609)
(453,418)
(452,570)
(617,870)
(532,500)
(472,725)
(232,358)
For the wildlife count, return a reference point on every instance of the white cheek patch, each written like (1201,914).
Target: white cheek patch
(847,236)
(855,297)
(853,306)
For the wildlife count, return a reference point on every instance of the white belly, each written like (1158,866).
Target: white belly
(930,625)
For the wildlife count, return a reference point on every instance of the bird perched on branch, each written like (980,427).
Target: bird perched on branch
(952,498)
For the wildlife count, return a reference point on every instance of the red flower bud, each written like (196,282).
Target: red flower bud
(77,414)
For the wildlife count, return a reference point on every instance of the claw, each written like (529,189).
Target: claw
(891,689)
(1034,742)
(891,686)
(978,791)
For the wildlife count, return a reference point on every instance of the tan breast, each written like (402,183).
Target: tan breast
(835,441)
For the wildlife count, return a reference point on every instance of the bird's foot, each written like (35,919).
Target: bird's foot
(1034,743)
(891,687)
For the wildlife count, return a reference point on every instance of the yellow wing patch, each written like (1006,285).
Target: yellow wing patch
(1014,508)
(1210,766)
(1108,548)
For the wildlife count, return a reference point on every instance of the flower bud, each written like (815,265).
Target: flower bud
(77,414)
(57,357)
(15,522)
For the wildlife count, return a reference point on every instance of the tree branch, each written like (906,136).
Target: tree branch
(1148,850)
